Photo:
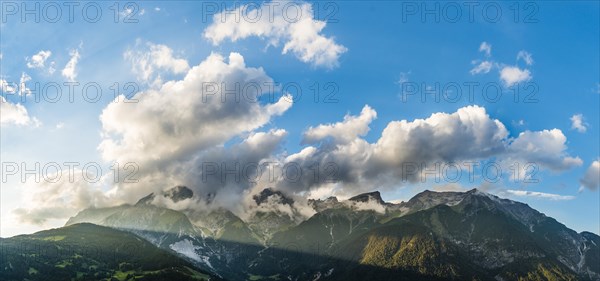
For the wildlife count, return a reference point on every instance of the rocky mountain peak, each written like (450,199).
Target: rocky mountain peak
(176,194)
(266,193)
(369,196)
(146,200)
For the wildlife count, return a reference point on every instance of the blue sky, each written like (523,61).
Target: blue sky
(377,53)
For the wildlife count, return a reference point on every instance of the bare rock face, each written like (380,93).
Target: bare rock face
(370,196)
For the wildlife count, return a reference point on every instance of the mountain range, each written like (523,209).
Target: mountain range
(469,235)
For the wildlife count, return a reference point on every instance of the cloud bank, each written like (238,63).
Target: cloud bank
(192,131)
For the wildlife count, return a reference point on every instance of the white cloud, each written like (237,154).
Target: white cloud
(525,56)
(486,48)
(179,125)
(442,135)
(150,60)
(360,165)
(23,90)
(20,88)
(275,22)
(345,131)
(578,124)
(70,70)
(540,195)
(184,117)
(591,179)
(545,149)
(52,67)
(16,114)
(59,197)
(438,139)
(7,87)
(169,134)
(511,75)
(371,205)
(38,60)
(483,67)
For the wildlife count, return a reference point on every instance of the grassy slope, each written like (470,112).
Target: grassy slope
(89,252)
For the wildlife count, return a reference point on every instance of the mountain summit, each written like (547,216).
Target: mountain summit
(176,194)
(268,193)
(370,196)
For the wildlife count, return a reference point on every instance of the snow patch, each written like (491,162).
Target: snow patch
(188,249)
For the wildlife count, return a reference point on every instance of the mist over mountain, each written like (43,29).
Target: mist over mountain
(433,236)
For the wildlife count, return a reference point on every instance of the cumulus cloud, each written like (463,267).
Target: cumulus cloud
(149,60)
(276,22)
(540,195)
(188,113)
(70,70)
(591,178)
(442,137)
(345,131)
(184,124)
(171,134)
(578,124)
(407,148)
(38,60)
(469,134)
(15,114)
(545,149)
(512,75)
